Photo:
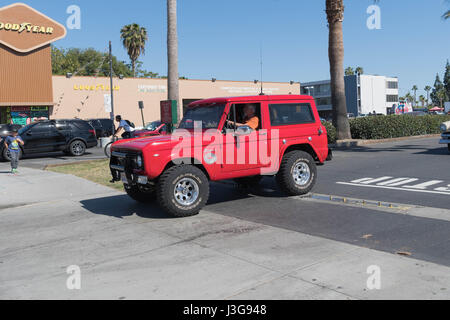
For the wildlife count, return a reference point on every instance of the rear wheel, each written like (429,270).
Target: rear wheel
(298,173)
(141,193)
(183,190)
(77,148)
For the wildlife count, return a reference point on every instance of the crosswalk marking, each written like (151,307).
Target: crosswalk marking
(397,182)
(425,185)
(403,184)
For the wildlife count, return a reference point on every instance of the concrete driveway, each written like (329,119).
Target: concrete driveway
(127,250)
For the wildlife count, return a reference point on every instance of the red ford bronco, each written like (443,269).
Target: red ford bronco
(241,138)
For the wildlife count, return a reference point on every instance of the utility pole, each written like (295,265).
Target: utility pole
(111,80)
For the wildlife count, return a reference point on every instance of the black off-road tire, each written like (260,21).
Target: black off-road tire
(165,190)
(79,152)
(5,155)
(144,194)
(285,177)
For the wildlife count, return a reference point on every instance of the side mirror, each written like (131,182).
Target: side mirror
(243,131)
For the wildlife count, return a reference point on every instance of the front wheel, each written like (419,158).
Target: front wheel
(141,193)
(298,173)
(108,149)
(183,190)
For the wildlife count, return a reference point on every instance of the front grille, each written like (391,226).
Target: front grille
(123,161)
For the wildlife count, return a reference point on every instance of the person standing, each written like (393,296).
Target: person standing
(12,143)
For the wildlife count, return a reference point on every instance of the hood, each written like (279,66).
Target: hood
(139,144)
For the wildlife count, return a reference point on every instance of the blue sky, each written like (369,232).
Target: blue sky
(222,39)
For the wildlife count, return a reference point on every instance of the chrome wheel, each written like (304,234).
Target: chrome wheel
(301,173)
(186,191)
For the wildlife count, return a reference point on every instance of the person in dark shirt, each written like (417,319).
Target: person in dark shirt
(12,143)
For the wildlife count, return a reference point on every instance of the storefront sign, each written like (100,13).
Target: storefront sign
(24,29)
(152,88)
(98,87)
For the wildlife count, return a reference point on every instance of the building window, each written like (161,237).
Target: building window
(392,85)
(288,114)
(391,98)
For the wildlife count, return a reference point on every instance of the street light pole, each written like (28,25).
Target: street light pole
(111,80)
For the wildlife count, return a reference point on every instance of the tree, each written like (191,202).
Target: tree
(409,97)
(427,89)
(438,86)
(349,71)
(441,95)
(447,79)
(86,62)
(335,17)
(422,100)
(172,53)
(359,70)
(415,88)
(134,38)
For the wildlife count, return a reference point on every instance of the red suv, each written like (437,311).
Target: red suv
(225,138)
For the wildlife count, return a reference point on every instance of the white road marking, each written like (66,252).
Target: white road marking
(371,180)
(397,182)
(401,184)
(425,185)
(393,188)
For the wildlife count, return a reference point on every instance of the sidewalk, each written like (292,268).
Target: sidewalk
(131,251)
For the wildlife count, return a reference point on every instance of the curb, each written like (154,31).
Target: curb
(348,144)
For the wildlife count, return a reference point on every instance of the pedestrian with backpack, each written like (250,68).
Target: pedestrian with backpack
(126,126)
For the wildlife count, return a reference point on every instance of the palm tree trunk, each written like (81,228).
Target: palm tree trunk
(335,16)
(133,66)
(172,54)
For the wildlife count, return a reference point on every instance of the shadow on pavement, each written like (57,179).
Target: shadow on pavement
(220,193)
(400,148)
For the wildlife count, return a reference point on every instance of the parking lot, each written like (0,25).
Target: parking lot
(384,205)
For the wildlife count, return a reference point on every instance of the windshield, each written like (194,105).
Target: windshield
(208,115)
(152,126)
(26,128)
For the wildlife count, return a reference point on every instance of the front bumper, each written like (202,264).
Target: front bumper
(124,168)
(445,138)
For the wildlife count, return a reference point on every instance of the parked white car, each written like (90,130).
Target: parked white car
(445,128)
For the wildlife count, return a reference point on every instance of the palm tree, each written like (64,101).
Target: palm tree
(172,53)
(422,100)
(415,88)
(409,97)
(428,89)
(335,17)
(359,70)
(134,38)
(349,71)
(442,95)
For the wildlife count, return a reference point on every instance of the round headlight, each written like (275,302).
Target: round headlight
(443,127)
(139,161)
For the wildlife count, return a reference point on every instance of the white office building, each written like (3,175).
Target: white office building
(364,93)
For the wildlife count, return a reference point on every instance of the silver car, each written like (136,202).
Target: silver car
(445,128)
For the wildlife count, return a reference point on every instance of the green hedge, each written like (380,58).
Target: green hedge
(394,126)
(331,132)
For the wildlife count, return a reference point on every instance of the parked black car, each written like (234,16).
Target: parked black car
(6,129)
(103,127)
(70,136)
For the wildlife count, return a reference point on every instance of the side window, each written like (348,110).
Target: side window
(290,114)
(43,127)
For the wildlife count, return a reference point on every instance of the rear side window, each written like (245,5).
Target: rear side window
(290,114)
(81,125)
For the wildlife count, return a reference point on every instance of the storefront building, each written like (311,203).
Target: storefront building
(88,97)
(26,84)
(29,92)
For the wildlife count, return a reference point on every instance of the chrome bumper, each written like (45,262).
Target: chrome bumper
(445,138)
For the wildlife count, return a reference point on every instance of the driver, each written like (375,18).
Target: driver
(250,118)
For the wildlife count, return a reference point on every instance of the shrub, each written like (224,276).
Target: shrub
(331,132)
(393,126)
